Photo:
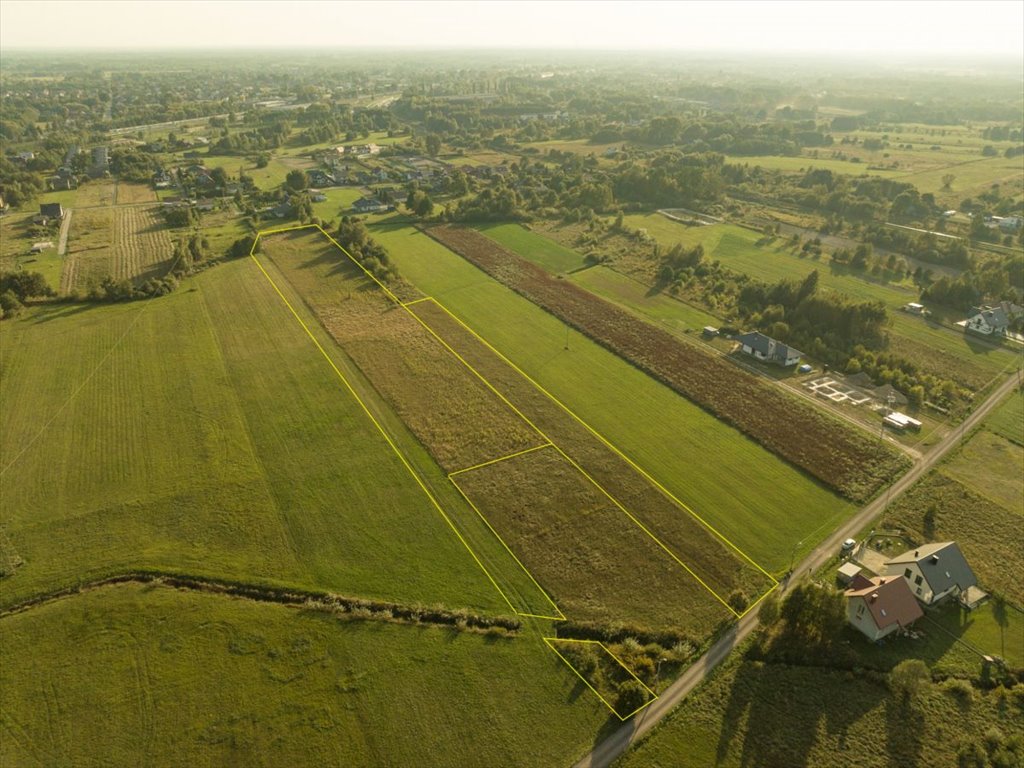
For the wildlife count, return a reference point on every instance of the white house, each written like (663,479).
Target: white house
(881,605)
(767,349)
(988,321)
(934,571)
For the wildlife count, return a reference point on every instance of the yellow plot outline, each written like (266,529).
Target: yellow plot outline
(549,641)
(401,456)
(406,306)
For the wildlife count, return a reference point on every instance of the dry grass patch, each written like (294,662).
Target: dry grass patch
(596,563)
(128,193)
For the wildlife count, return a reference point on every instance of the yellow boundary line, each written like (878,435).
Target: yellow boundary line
(606,443)
(373,419)
(391,443)
(549,641)
(497,460)
(540,432)
(415,301)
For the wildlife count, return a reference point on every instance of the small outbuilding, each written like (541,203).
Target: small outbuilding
(847,572)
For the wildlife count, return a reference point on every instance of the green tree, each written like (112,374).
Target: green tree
(433,143)
(9,305)
(908,678)
(631,696)
(424,205)
(296,180)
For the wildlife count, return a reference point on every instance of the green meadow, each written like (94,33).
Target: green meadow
(753,498)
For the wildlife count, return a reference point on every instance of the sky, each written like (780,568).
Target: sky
(953,28)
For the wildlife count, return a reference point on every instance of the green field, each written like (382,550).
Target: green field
(203,432)
(553,256)
(699,459)
(805,163)
(1008,420)
(137,675)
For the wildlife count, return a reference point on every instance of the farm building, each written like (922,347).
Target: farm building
(900,422)
(51,211)
(881,605)
(934,572)
(40,247)
(768,350)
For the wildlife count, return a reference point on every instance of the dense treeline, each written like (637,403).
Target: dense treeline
(353,236)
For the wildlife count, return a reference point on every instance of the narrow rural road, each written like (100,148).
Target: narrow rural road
(607,751)
(65,226)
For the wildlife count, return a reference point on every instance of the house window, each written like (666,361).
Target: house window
(907,574)
(860,609)
(917,580)
(919,590)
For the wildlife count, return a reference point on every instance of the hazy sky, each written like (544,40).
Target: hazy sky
(943,28)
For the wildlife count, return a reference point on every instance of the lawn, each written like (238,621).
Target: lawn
(992,467)
(553,256)
(695,456)
(805,163)
(135,675)
(156,434)
(90,253)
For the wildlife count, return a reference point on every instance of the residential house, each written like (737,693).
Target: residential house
(316,196)
(369,205)
(768,350)
(934,571)
(1011,224)
(318,178)
(881,605)
(988,321)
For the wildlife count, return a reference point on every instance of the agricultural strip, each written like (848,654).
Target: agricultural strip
(695,456)
(142,246)
(514,586)
(716,562)
(205,680)
(598,564)
(601,671)
(391,362)
(821,445)
(90,253)
(202,432)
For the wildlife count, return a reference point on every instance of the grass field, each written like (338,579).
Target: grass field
(463,424)
(90,253)
(203,680)
(1008,420)
(128,193)
(553,256)
(755,714)
(157,434)
(16,242)
(992,467)
(774,508)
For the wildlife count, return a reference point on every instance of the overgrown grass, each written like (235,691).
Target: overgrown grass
(1008,420)
(698,458)
(751,713)
(553,256)
(148,675)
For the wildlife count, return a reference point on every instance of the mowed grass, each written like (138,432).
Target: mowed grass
(203,432)
(993,467)
(1008,419)
(541,250)
(753,498)
(754,714)
(152,676)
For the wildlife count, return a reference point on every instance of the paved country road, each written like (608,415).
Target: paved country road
(608,750)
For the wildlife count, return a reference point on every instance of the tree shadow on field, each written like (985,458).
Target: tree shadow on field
(904,725)
(61,311)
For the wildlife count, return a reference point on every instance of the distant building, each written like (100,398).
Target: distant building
(934,571)
(51,211)
(100,159)
(1011,224)
(768,350)
(915,309)
(369,205)
(988,321)
(881,605)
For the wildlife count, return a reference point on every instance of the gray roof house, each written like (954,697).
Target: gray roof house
(988,321)
(52,210)
(767,349)
(934,571)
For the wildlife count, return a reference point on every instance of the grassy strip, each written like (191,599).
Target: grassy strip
(263,593)
(840,457)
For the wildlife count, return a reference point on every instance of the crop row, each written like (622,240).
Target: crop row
(844,459)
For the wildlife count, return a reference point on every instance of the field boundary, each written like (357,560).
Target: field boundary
(548,441)
(549,641)
(348,386)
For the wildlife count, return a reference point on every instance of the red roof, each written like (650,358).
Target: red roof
(889,600)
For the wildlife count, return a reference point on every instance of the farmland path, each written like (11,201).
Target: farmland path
(607,751)
(65,227)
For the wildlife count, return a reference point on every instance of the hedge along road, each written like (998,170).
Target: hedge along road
(608,750)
